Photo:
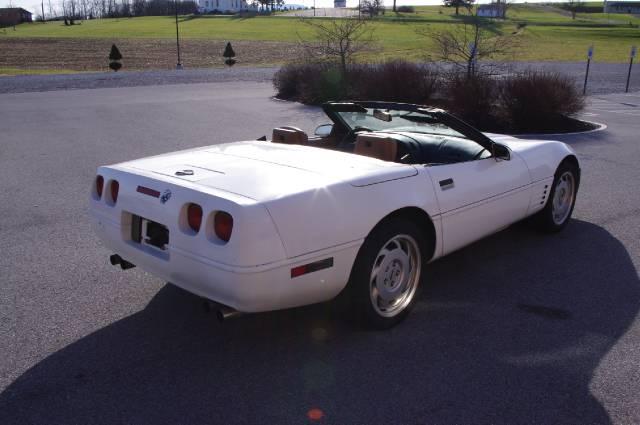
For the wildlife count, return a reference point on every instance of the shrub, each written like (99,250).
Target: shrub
(395,81)
(527,102)
(538,100)
(472,98)
(292,79)
(406,9)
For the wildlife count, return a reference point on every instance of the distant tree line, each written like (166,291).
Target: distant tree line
(90,9)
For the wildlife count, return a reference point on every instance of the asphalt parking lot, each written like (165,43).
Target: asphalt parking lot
(517,328)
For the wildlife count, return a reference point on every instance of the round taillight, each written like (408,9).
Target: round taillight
(115,187)
(194,217)
(223,225)
(99,186)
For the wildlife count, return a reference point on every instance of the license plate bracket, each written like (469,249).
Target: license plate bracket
(148,232)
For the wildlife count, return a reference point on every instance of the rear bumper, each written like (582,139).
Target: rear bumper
(247,289)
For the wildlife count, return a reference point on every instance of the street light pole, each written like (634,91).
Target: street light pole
(179,64)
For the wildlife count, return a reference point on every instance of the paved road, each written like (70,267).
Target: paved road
(603,78)
(518,328)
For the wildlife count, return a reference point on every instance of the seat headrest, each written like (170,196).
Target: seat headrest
(289,136)
(376,146)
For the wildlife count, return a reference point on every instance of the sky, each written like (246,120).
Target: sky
(34,5)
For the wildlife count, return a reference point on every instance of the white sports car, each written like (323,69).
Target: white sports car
(358,210)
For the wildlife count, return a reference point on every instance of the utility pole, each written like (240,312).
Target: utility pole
(179,64)
(42,4)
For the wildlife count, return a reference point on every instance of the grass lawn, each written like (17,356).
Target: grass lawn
(547,33)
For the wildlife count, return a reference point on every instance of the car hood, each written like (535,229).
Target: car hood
(263,170)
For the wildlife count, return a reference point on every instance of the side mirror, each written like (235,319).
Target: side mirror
(323,130)
(500,152)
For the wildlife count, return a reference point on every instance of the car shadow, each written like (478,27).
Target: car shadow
(509,330)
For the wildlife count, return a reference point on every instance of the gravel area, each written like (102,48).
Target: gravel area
(603,77)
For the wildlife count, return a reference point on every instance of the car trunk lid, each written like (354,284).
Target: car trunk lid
(263,170)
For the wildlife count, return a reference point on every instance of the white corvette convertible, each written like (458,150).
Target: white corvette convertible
(359,209)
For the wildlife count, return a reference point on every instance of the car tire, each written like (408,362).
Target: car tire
(562,198)
(386,275)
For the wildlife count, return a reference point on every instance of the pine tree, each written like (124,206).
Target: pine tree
(229,55)
(115,54)
(114,58)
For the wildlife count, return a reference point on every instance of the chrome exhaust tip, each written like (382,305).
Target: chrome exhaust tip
(226,313)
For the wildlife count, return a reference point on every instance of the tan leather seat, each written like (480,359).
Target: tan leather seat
(289,136)
(375,146)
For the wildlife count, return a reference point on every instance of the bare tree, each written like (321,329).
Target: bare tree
(504,5)
(338,39)
(372,7)
(84,4)
(138,7)
(468,43)
(73,8)
(573,6)
(52,13)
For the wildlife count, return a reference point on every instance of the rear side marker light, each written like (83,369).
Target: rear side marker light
(223,225)
(115,187)
(194,217)
(311,267)
(99,186)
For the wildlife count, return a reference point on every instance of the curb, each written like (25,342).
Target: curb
(599,127)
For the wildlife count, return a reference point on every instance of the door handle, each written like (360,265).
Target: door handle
(446,184)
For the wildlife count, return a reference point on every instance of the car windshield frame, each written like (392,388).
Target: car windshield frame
(340,113)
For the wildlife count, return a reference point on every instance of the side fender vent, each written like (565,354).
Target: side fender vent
(544,194)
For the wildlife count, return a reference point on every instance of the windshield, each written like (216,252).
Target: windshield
(394,120)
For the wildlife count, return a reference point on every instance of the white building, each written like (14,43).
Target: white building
(206,6)
(630,7)
(491,10)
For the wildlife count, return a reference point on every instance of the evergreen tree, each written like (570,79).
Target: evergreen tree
(114,58)
(229,55)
